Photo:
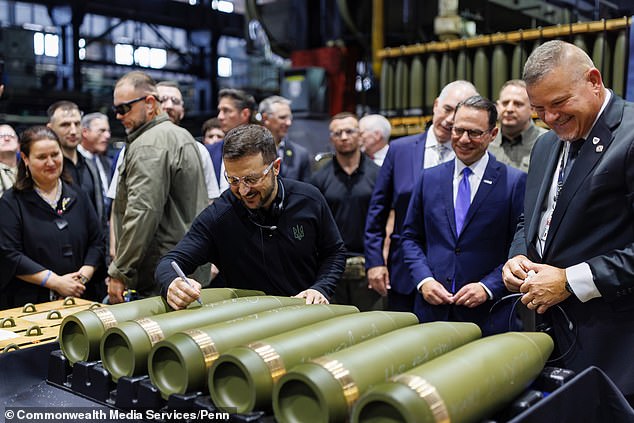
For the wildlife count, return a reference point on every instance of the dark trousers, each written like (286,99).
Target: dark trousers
(401,302)
(356,292)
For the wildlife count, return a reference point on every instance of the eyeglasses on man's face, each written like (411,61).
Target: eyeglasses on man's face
(472,134)
(249,180)
(123,108)
(175,100)
(347,131)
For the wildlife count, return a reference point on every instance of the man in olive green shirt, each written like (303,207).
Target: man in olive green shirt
(161,188)
(518,133)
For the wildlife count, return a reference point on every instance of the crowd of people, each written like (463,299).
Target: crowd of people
(446,224)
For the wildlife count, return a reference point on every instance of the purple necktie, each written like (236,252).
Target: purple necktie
(463,199)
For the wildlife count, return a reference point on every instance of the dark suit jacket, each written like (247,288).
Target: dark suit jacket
(215,151)
(296,162)
(106,162)
(89,182)
(393,189)
(34,237)
(593,223)
(432,249)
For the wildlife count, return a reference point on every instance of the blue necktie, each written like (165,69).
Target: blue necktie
(463,199)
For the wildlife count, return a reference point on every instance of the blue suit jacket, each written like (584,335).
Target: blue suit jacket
(215,151)
(296,162)
(432,248)
(393,189)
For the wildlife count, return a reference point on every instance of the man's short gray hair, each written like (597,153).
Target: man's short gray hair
(378,123)
(553,54)
(266,105)
(87,119)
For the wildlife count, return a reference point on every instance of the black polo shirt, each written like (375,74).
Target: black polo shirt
(348,197)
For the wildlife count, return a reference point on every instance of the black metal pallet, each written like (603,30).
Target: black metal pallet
(91,380)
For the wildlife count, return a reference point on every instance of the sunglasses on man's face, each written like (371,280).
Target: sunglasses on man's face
(123,108)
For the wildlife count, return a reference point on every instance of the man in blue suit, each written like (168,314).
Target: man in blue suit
(405,159)
(460,224)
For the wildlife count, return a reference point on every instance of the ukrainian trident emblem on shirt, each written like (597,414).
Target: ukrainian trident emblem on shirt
(298,232)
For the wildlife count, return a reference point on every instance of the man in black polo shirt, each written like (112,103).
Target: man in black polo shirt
(347,182)
(265,233)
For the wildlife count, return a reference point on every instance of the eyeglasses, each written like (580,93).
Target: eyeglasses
(123,108)
(472,134)
(11,136)
(249,180)
(347,131)
(175,100)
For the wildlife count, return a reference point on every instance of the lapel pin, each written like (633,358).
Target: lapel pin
(599,148)
(487,181)
(595,140)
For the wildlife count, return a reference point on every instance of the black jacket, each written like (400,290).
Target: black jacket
(34,237)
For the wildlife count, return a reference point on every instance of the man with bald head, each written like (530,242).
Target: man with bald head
(573,253)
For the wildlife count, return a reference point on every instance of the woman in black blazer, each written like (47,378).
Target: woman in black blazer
(50,238)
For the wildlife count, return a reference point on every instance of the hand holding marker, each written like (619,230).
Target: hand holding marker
(181,275)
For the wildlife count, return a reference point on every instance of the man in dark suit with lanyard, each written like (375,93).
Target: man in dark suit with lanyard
(573,253)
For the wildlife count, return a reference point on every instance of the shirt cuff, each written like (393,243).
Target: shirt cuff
(487,290)
(581,282)
(423,282)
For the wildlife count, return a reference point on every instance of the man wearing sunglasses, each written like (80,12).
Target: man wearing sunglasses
(161,188)
(460,224)
(266,233)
